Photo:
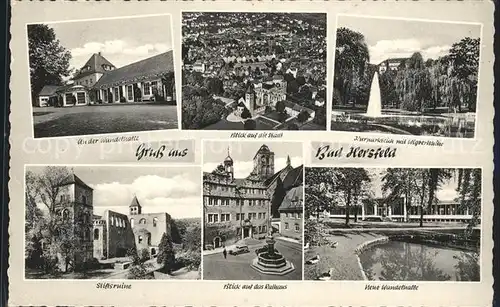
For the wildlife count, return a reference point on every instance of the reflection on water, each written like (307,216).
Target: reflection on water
(414,262)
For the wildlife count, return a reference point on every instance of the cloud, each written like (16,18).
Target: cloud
(117,47)
(150,189)
(243,168)
(402,48)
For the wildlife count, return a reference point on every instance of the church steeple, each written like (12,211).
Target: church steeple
(228,164)
(135,207)
(288,162)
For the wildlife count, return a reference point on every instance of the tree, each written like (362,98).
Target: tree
(413,84)
(436,178)
(303,116)
(61,232)
(469,191)
(48,59)
(139,269)
(319,181)
(166,254)
(351,59)
(280,106)
(32,192)
(464,59)
(250,124)
(399,183)
(350,185)
(246,114)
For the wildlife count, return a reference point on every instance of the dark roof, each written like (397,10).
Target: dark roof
(293,200)
(293,178)
(96,64)
(49,90)
(276,175)
(144,70)
(135,202)
(74,179)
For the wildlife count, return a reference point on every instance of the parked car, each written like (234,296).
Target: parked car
(240,249)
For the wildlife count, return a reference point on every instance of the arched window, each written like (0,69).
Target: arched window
(142,221)
(149,239)
(155,221)
(96,234)
(132,223)
(84,199)
(140,239)
(112,221)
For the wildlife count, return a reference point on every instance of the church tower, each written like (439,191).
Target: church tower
(135,207)
(228,165)
(250,99)
(263,162)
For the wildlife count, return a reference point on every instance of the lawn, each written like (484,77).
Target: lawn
(73,121)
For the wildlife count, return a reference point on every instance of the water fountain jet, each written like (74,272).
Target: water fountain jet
(374,101)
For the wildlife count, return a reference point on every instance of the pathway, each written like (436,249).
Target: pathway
(341,259)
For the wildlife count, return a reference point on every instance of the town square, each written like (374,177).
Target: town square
(252,211)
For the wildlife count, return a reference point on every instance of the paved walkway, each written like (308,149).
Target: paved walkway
(341,259)
(216,267)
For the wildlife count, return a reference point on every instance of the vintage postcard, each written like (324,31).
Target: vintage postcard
(251,153)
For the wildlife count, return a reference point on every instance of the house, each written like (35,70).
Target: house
(139,81)
(45,95)
(291,210)
(99,81)
(390,64)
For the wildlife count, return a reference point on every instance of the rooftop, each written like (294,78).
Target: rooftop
(96,64)
(143,70)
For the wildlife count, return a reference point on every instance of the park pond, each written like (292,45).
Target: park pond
(397,260)
(447,125)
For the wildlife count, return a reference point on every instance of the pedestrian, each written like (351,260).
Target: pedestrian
(224,252)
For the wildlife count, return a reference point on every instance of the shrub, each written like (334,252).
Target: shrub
(246,114)
(145,255)
(166,253)
(122,99)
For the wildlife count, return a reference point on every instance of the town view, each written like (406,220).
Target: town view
(253,71)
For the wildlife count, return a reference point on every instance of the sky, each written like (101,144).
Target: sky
(174,190)
(121,41)
(393,38)
(447,192)
(242,153)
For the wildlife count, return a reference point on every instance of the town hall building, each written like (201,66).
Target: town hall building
(240,208)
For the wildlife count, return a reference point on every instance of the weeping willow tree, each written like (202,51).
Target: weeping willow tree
(413,84)
(351,61)
(447,82)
